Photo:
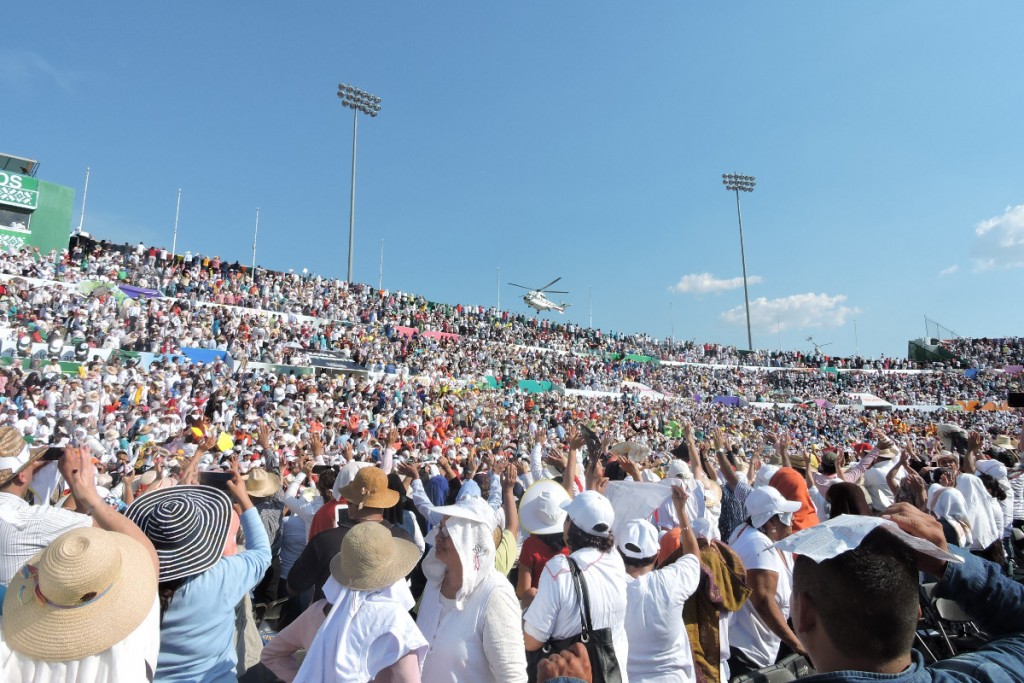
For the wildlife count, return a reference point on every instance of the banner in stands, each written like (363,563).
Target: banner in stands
(19,190)
(428,334)
(335,364)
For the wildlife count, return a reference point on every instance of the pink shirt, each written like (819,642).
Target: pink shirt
(278,653)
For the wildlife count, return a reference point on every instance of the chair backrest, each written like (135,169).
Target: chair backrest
(785,670)
(949,610)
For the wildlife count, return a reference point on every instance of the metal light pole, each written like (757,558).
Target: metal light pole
(735,183)
(85,193)
(358,101)
(255,233)
(174,239)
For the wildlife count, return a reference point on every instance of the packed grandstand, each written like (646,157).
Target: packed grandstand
(152,371)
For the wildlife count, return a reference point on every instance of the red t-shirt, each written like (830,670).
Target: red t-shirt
(325,518)
(535,555)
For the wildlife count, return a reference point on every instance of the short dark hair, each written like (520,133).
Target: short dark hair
(578,538)
(867,598)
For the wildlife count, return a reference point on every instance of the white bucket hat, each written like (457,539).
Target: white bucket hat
(540,510)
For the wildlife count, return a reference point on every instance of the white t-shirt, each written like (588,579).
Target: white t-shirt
(659,648)
(748,632)
(878,488)
(555,612)
(129,661)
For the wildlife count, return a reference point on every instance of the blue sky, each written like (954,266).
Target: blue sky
(577,139)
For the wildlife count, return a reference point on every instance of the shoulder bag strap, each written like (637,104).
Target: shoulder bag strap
(584,601)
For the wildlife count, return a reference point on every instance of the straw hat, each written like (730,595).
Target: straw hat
(369,488)
(86,591)
(262,484)
(634,450)
(15,454)
(187,524)
(1006,441)
(371,558)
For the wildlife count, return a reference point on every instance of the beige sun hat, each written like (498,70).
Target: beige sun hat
(81,595)
(371,558)
(260,483)
(369,488)
(15,454)
(1005,441)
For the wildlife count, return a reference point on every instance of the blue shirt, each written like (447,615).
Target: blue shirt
(995,603)
(197,636)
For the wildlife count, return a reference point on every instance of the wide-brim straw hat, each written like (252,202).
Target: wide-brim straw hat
(634,450)
(15,454)
(369,489)
(188,525)
(371,558)
(540,510)
(87,591)
(260,483)
(1006,442)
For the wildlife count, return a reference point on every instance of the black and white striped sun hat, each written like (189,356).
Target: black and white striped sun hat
(188,525)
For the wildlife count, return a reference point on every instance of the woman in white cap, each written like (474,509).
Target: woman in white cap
(759,628)
(469,613)
(199,587)
(555,611)
(367,634)
(659,647)
(542,516)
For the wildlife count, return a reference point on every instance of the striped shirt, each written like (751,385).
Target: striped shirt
(26,529)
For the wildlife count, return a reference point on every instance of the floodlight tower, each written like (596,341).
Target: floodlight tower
(745,183)
(358,101)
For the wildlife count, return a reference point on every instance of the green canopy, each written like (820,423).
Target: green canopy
(531,386)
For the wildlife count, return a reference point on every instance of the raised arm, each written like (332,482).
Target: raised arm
(687,539)
(974,444)
(508,498)
(728,471)
(78,470)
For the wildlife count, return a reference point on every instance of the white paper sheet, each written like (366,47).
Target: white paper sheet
(836,536)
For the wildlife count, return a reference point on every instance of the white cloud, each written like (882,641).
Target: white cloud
(999,240)
(949,271)
(25,68)
(793,312)
(706,283)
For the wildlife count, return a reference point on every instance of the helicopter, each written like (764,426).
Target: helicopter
(536,299)
(818,347)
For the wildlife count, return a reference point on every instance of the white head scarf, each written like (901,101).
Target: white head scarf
(950,505)
(474,543)
(341,652)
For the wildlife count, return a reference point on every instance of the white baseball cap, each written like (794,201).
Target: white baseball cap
(765,502)
(591,512)
(638,539)
(540,510)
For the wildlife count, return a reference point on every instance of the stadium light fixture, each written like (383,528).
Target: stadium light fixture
(737,183)
(363,102)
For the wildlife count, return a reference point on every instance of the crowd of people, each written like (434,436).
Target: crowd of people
(412,523)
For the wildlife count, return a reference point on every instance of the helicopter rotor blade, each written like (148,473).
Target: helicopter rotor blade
(554,291)
(549,284)
(520,286)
